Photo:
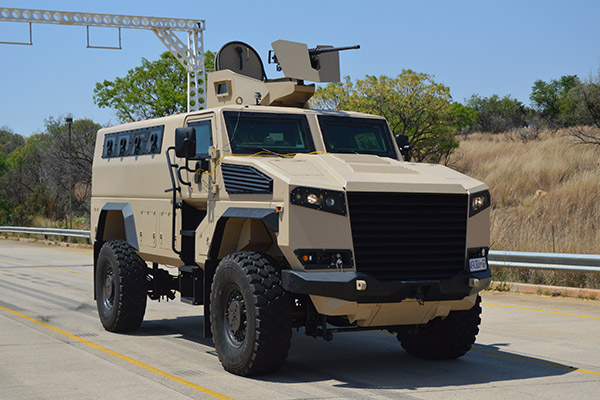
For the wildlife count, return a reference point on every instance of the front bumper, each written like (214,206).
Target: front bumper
(342,285)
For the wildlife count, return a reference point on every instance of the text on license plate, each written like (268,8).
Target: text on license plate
(477,264)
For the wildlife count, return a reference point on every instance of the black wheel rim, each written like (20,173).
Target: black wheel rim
(235,317)
(108,287)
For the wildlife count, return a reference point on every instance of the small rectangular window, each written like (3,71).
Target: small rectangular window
(136,142)
(203,137)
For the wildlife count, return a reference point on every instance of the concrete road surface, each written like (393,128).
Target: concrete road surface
(52,346)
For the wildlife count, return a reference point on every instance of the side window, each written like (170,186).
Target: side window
(203,137)
(136,142)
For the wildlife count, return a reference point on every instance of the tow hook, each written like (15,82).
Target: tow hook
(320,331)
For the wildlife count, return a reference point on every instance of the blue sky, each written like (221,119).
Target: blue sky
(483,47)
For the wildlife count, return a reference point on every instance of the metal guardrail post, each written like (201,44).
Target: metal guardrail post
(550,261)
(82,233)
(496,258)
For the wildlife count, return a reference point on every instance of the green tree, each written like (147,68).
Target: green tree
(24,180)
(463,117)
(154,89)
(334,96)
(34,178)
(74,158)
(554,101)
(586,95)
(9,140)
(496,115)
(413,103)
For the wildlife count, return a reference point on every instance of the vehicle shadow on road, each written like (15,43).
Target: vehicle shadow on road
(374,360)
(186,327)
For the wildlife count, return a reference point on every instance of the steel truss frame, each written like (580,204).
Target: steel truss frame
(190,56)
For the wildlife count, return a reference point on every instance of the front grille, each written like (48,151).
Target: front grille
(409,236)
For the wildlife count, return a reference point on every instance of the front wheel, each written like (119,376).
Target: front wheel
(120,281)
(443,339)
(249,315)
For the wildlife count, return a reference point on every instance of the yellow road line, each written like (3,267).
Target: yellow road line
(44,266)
(122,357)
(538,310)
(541,362)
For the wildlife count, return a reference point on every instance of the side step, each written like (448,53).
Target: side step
(191,284)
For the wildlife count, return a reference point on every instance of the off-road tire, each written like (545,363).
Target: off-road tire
(443,339)
(249,314)
(120,281)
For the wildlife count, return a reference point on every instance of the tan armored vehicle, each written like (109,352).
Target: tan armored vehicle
(274,216)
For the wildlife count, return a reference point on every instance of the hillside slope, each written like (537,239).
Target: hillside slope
(538,187)
(545,195)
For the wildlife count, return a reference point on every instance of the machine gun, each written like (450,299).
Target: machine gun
(316,51)
(313,54)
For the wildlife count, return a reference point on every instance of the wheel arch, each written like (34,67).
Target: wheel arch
(238,225)
(116,221)
(267,217)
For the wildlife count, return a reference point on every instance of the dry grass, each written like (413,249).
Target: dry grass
(44,222)
(545,195)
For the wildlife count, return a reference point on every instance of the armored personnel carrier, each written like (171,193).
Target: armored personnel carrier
(273,216)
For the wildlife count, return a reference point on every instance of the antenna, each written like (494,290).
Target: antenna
(241,58)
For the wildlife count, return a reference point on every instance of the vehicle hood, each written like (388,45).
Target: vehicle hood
(364,173)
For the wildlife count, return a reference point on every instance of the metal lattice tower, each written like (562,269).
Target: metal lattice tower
(191,56)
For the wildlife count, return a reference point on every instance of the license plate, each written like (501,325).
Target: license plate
(477,264)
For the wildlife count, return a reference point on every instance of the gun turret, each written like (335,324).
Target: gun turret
(297,61)
(240,77)
(313,53)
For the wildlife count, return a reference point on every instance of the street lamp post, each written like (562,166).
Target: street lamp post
(69,121)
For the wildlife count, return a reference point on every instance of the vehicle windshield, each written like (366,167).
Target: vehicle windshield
(357,136)
(252,132)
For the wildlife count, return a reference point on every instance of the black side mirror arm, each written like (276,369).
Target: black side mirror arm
(404,146)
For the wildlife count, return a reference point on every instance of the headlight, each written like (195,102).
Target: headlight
(325,258)
(320,199)
(479,201)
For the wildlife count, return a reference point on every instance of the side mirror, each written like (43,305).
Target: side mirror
(185,142)
(404,145)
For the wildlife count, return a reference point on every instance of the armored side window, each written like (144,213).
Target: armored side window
(109,146)
(124,144)
(203,138)
(155,139)
(133,142)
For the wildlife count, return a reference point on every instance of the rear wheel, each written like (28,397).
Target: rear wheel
(443,339)
(249,315)
(120,281)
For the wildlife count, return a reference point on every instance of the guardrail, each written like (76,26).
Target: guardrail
(552,261)
(48,231)
(496,258)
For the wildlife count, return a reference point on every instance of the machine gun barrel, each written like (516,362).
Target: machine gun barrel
(316,51)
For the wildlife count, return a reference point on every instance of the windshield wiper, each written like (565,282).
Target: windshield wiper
(265,150)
